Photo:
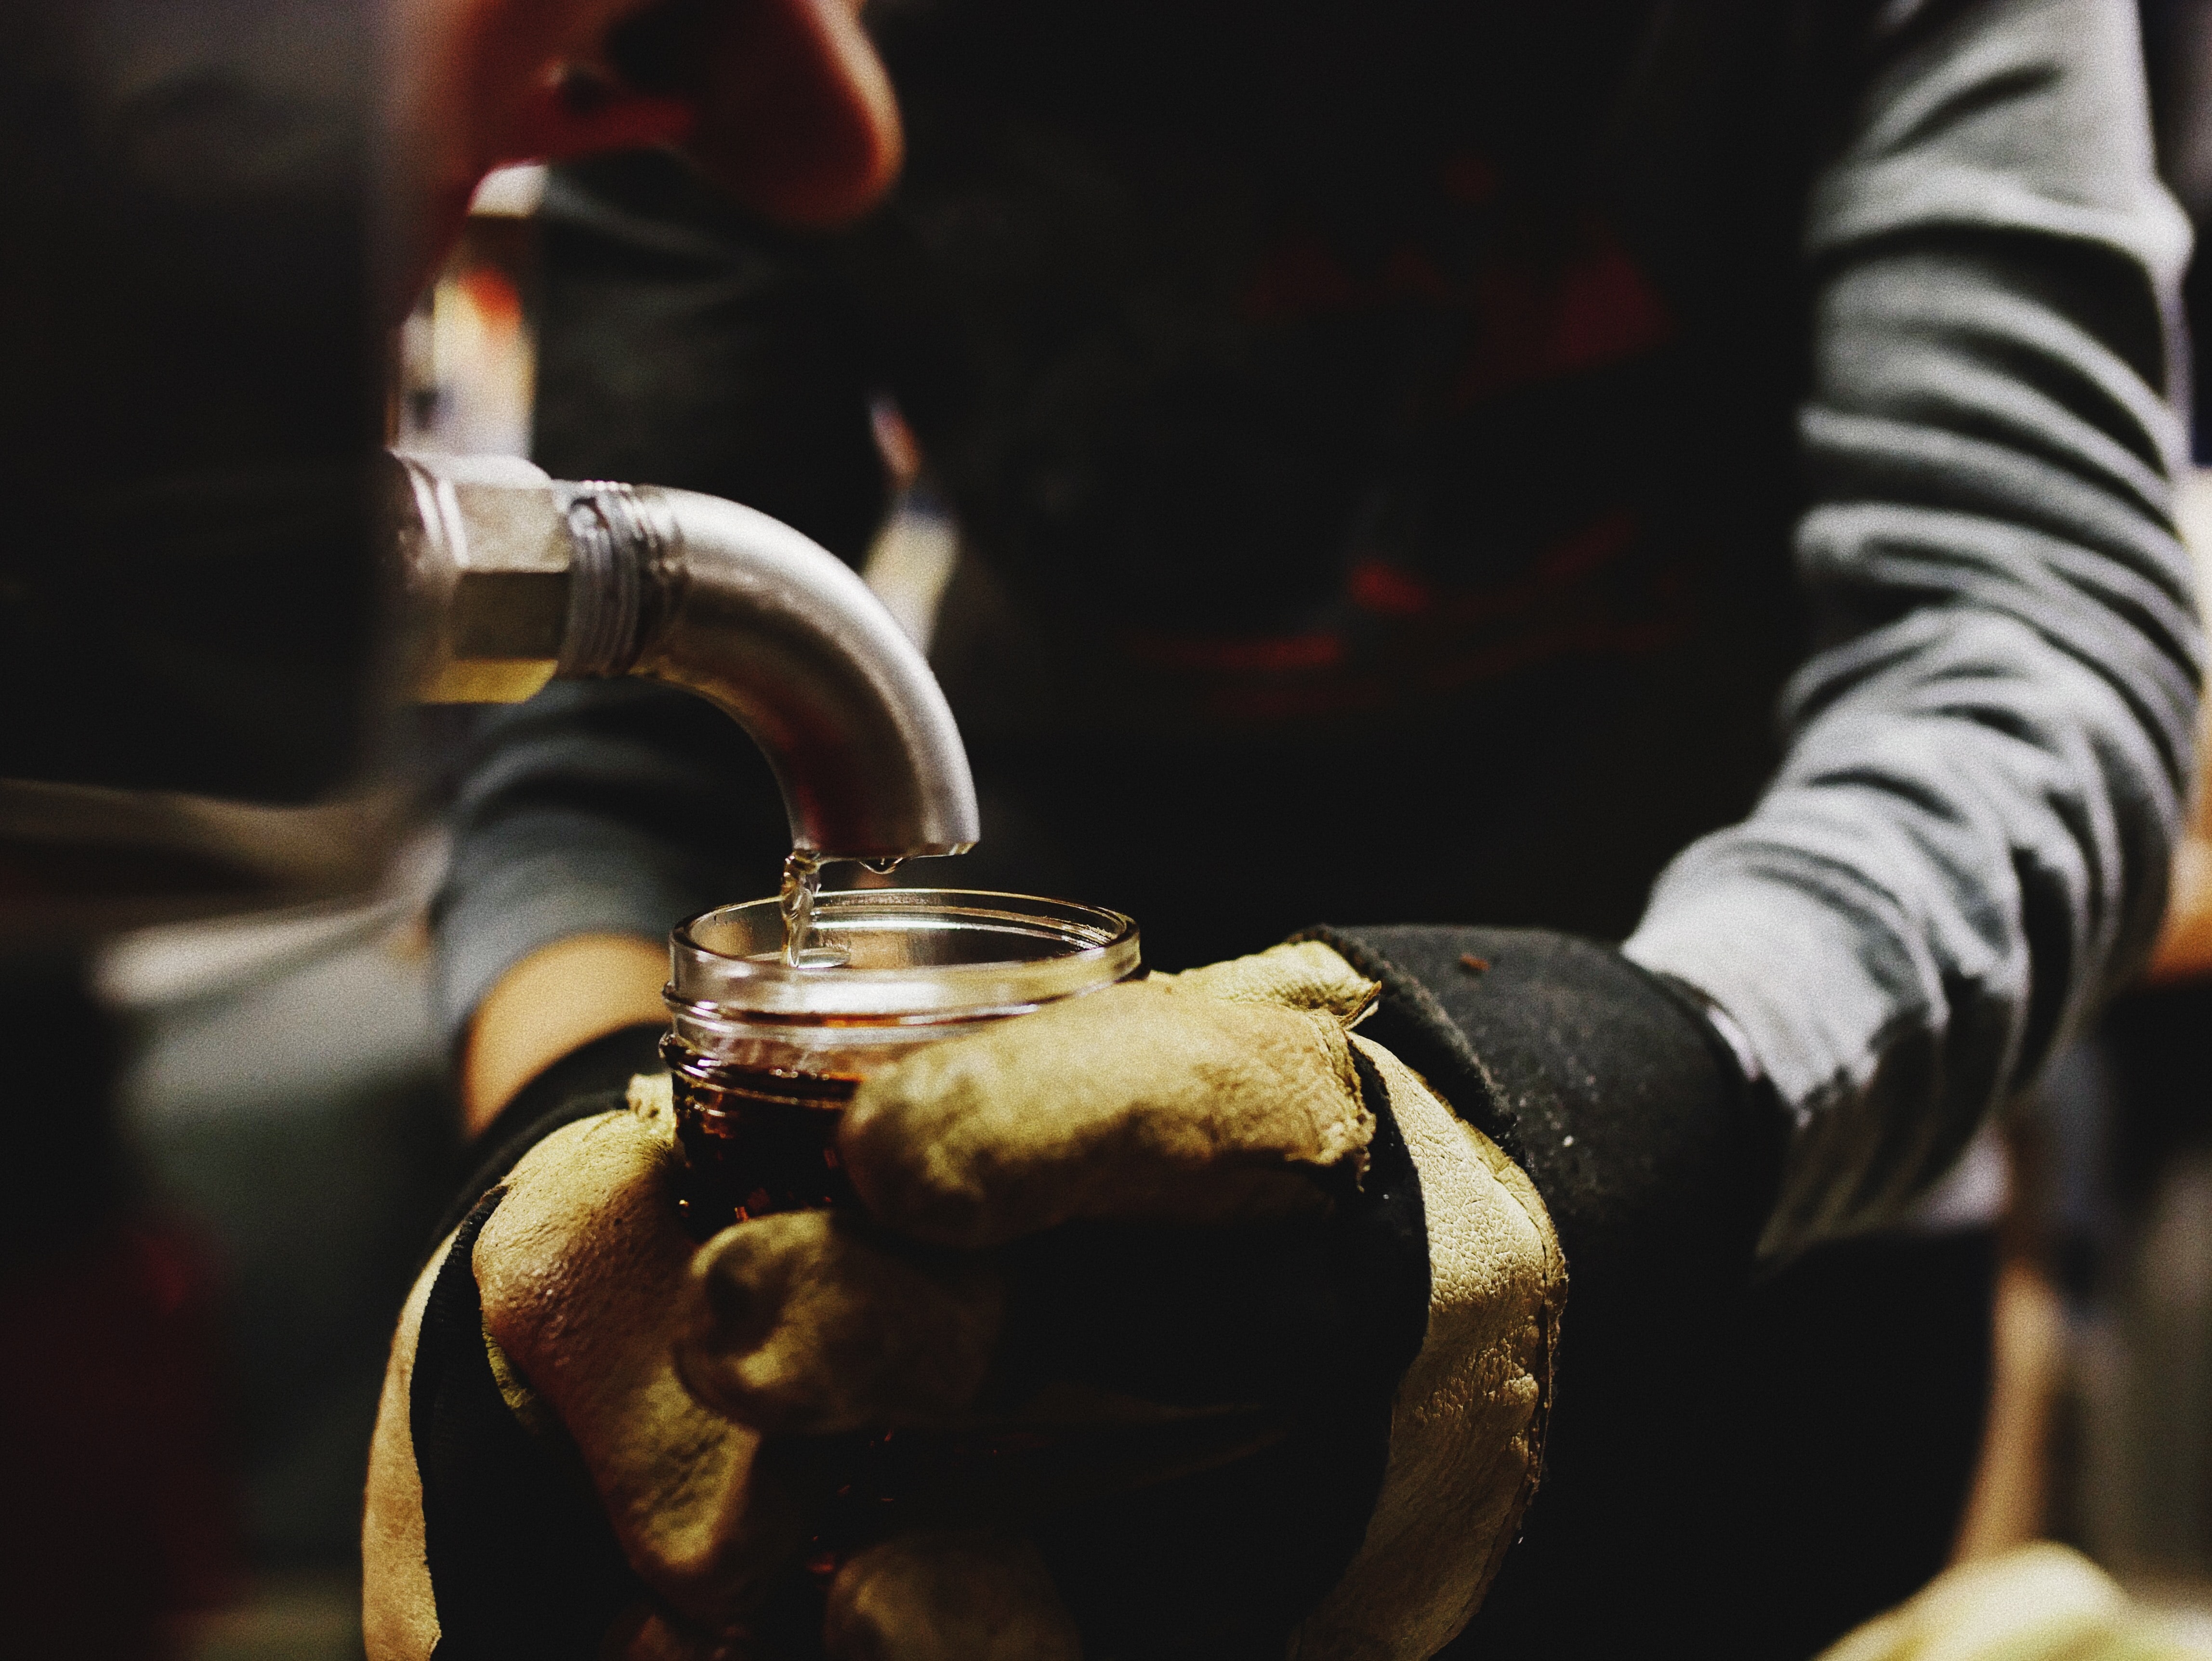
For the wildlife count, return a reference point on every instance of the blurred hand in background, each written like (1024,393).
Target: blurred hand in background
(782,101)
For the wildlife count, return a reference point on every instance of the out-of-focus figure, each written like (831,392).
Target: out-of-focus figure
(213,212)
(1380,440)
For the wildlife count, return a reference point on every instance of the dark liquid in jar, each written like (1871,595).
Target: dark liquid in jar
(756,1140)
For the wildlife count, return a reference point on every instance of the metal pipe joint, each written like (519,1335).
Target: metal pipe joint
(511,579)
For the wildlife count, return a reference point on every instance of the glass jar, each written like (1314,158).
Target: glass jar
(763,1055)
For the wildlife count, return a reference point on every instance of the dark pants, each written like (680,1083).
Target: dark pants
(1798,1465)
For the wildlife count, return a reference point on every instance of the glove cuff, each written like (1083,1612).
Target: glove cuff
(1656,1161)
(1469,1419)
(1655,1157)
(519,1555)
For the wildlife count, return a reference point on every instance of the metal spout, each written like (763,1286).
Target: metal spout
(513,578)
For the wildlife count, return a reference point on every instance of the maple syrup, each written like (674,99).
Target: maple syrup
(780,1008)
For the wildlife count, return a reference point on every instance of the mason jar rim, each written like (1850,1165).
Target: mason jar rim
(1052,949)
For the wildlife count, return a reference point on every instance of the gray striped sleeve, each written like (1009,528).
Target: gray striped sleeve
(611,807)
(1966,846)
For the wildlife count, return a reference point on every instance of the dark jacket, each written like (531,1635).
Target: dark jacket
(1401,455)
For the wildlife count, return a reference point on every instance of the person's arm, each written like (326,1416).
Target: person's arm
(589,821)
(2184,943)
(567,993)
(1966,845)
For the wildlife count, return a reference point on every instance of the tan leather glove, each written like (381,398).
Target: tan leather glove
(2039,1602)
(1209,1111)
(540,1478)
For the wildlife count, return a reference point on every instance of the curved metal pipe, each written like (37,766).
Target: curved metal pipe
(788,641)
(702,594)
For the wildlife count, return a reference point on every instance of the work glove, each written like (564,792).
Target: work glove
(1657,1159)
(1202,1221)
(2038,1602)
(1226,1327)
(541,1484)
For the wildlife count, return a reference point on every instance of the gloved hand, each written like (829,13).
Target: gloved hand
(1279,1359)
(2038,1602)
(541,1484)
(1313,1311)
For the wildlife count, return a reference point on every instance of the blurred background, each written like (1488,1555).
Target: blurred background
(286,1139)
